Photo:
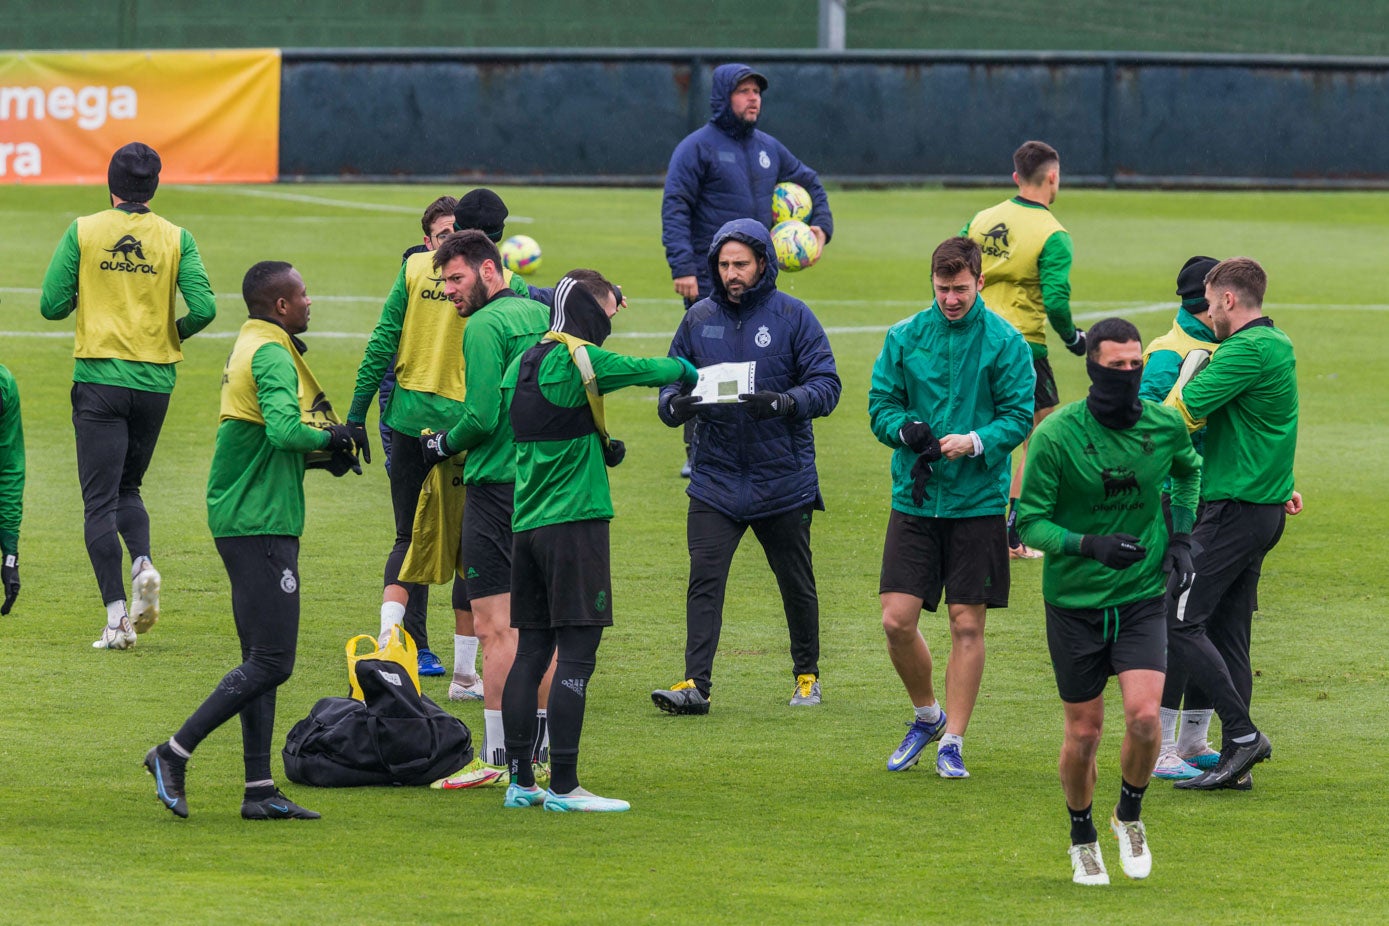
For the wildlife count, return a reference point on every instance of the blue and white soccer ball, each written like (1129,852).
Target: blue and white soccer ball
(796,245)
(521,254)
(790,201)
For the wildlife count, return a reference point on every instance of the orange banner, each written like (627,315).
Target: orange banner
(213,116)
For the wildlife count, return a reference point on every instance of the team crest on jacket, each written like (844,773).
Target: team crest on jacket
(762,159)
(763,338)
(288,584)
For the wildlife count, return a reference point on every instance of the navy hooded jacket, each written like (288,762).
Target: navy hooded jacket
(722,171)
(744,467)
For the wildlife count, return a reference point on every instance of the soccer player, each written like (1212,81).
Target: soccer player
(11,487)
(420,328)
(1191,754)
(1247,395)
(1092,501)
(959,371)
(255,508)
(754,460)
(501,326)
(561,569)
(1027,269)
(122,270)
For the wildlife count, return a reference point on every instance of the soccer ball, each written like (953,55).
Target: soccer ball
(790,201)
(796,245)
(521,254)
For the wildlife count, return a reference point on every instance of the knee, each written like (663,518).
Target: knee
(1084,736)
(1143,723)
(900,627)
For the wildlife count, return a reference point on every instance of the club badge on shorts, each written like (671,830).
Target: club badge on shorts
(763,338)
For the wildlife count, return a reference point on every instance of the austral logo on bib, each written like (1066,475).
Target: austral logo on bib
(124,254)
(995,243)
(762,159)
(763,338)
(437,292)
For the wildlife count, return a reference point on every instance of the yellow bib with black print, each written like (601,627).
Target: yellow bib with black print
(239,399)
(127,287)
(1180,343)
(1011,237)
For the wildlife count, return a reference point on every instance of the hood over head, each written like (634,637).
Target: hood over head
(726,78)
(755,235)
(577,312)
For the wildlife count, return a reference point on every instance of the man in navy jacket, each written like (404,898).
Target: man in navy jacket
(727,170)
(754,460)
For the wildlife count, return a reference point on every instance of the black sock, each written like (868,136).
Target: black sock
(1082,826)
(1130,802)
(564,776)
(519,765)
(259,792)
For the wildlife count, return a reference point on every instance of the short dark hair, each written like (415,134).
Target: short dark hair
(1118,330)
(1032,159)
(1244,277)
(443,206)
(264,283)
(954,255)
(470,244)
(598,285)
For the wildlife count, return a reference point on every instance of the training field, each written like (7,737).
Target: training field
(757,813)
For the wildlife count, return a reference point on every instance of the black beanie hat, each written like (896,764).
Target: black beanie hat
(134,172)
(483,210)
(1191,283)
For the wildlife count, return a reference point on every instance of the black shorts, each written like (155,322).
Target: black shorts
(1044,394)
(1088,645)
(967,557)
(562,576)
(486,550)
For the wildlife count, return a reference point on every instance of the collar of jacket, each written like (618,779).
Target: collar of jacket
(972,317)
(1194,326)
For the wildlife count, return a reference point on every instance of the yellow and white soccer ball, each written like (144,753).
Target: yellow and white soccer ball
(796,245)
(521,254)
(790,201)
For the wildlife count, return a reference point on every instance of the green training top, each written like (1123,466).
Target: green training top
(558,481)
(1083,478)
(11,465)
(497,334)
(1248,396)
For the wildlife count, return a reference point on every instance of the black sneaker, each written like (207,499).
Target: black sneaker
(168,770)
(683,698)
(275,807)
(1235,761)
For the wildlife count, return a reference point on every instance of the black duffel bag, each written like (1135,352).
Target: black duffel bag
(398,737)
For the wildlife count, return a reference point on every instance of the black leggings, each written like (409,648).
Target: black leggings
(578,654)
(264,573)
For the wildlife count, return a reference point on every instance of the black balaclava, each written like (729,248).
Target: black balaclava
(577,312)
(1113,398)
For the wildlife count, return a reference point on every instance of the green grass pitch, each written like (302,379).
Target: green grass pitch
(757,813)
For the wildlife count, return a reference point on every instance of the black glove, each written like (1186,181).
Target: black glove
(684,407)
(1077,346)
(769,404)
(9,576)
(1117,551)
(615,452)
(359,438)
(435,448)
(1177,563)
(341,463)
(339,438)
(918,437)
(921,474)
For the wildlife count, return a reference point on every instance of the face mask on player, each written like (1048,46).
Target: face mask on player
(1113,398)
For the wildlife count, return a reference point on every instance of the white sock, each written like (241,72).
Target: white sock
(1168,716)
(1196,728)
(955,738)
(928,714)
(464,656)
(392,614)
(494,738)
(140,564)
(115,613)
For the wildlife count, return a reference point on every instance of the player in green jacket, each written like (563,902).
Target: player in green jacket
(121,270)
(11,487)
(1092,502)
(1247,395)
(273,416)
(561,568)
(959,371)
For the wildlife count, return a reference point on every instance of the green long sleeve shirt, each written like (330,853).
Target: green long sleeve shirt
(11,465)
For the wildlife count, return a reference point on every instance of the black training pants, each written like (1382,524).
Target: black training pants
(264,574)
(713,538)
(1178,691)
(116,429)
(1208,628)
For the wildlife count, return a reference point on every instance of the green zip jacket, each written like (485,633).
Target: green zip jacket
(58,299)
(11,465)
(256,484)
(560,481)
(974,374)
(497,334)
(1083,478)
(1248,396)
